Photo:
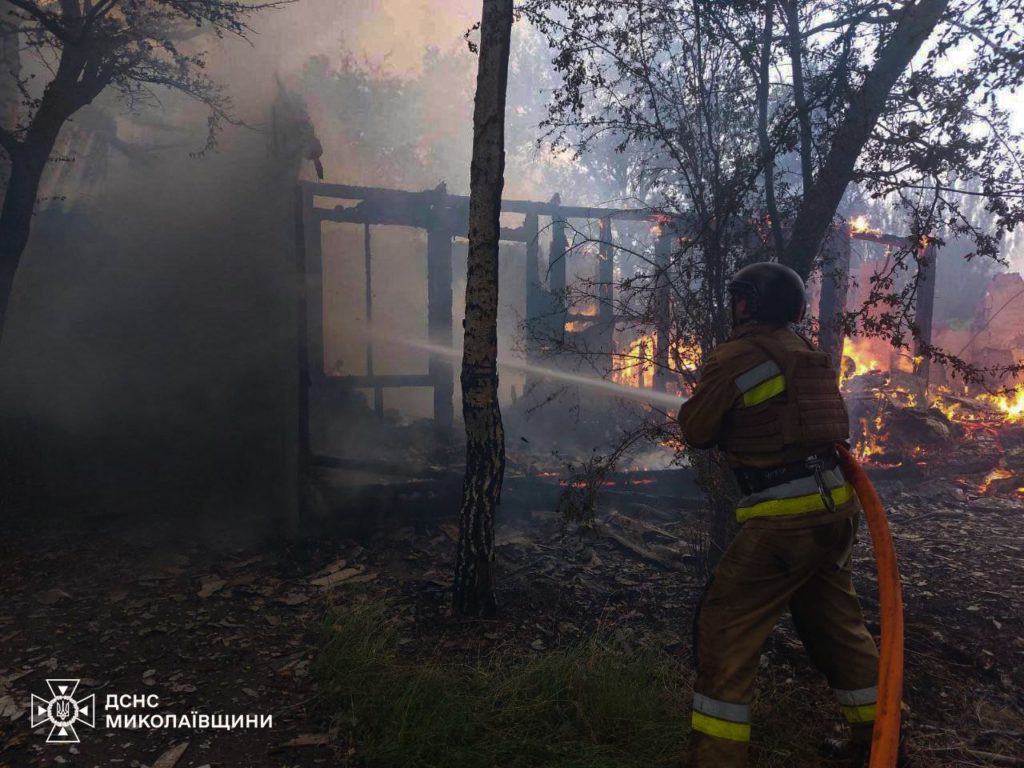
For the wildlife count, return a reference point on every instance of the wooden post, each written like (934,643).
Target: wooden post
(535,299)
(835,285)
(303,206)
(557,279)
(662,306)
(439,307)
(378,392)
(314,286)
(924,308)
(559,248)
(606,291)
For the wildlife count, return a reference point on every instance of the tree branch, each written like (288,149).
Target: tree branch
(866,105)
(9,142)
(47,19)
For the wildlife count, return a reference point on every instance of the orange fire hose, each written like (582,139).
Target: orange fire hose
(885,737)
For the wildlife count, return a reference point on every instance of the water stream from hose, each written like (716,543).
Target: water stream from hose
(662,399)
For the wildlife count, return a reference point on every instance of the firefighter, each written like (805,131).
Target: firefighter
(769,400)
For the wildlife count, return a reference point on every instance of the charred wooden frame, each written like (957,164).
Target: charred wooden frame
(443,217)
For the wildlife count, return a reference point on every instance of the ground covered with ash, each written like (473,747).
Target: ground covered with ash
(242,631)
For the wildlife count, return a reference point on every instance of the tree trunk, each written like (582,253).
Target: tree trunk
(835,289)
(866,106)
(10,97)
(473,593)
(63,96)
(27,165)
(792,10)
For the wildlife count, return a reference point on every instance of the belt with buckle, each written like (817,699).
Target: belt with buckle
(757,479)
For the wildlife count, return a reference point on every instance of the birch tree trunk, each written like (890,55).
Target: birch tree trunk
(473,593)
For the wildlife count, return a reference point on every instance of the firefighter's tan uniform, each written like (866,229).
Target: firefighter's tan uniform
(770,401)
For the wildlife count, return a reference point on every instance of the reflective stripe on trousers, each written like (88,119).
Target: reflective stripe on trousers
(858,706)
(720,719)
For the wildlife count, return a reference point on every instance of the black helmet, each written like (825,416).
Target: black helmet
(775,293)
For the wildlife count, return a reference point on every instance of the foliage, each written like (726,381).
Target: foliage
(586,705)
(744,118)
(131,46)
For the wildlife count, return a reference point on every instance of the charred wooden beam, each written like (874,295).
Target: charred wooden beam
(535,298)
(662,306)
(876,237)
(558,255)
(379,215)
(313,285)
(606,292)
(924,308)
(303,203)
(559,250)
(386,381)
(400,198)
(835,284)
(378,393)
(439,307)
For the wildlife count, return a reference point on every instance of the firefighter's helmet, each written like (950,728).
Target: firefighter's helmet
(774,293)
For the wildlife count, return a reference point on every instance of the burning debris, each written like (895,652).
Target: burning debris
(899,424)
(635,364)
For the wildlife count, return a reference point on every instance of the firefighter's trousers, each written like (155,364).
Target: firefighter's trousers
(767,568)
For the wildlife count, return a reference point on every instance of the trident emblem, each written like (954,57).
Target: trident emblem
(62,711)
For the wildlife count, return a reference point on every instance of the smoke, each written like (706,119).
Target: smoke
(148,365)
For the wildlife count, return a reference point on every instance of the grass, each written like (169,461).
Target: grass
(585,706)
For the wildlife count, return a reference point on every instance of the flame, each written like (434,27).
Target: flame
(578,325)
(863,357)
(950,410)
(859,225)
(635,367)
(659,219)
(1010,405)
(999,473)
(869,444)
(636,364)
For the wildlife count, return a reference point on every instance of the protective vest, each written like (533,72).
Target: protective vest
(791,399)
